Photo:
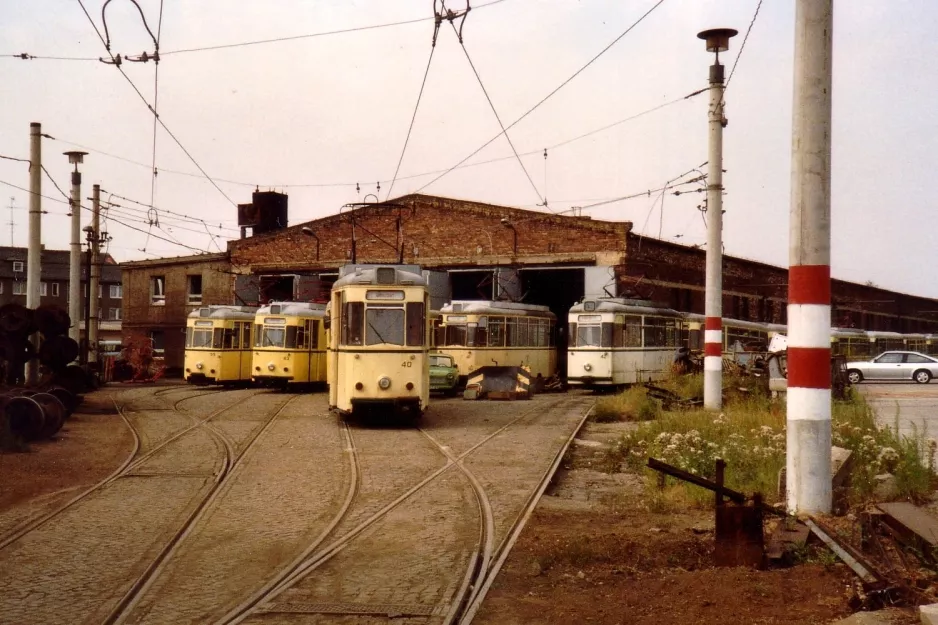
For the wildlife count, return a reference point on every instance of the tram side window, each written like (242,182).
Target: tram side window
(258,333)
(353,314)
(188,337)
(618,332)
(245,336)
(291,338)
(218,338)
(571,335)
(231,336)
(633,331)
(416,324)
(313,333)
(301,334)
(496,331)
(455,335)
(607,335)
(655,332)
(479,333)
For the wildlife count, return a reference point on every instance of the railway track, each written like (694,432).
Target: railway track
(488,554)
(126,467)
(231,459)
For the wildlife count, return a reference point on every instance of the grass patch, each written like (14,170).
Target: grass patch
(750,435)
(633,404)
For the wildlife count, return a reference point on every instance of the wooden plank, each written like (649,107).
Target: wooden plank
(907,519)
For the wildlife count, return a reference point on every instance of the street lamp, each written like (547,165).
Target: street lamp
(718,40)
(508,224)
(309,232)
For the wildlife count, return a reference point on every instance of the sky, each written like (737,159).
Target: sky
(314,116)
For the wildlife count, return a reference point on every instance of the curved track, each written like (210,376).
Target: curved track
(484,563)
(230,460)
(126,467)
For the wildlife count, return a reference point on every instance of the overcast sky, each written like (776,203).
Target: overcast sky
(331,111)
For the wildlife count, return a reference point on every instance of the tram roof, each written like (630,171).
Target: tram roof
(488,307)
(379,276)
(623,305)
(293,309)
(223,312)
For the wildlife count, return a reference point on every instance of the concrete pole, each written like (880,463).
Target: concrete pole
(713,306)
(34,249)
(74,259)
(808,470)
(95,279)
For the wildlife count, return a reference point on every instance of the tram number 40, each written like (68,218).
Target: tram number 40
(407,363)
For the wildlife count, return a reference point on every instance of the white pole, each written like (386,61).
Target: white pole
(74,260)
(34,249)
(95,278)
(808,465)
(713,305)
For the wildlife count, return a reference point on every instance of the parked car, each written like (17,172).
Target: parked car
(894,366)
(444,375)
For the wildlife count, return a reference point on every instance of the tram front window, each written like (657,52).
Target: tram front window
(588,336)
(384,326)
(201,338)
(272,337)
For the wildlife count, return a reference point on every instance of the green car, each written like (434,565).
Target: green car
(444,375)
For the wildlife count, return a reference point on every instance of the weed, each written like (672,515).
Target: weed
(633,404)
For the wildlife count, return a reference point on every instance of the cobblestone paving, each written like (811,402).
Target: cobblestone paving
(391,460)
(289,486)
(415,556)
(72,569)
(512,464)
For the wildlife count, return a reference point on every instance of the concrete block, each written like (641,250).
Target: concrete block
(928,614)
(886,487)
(881,617)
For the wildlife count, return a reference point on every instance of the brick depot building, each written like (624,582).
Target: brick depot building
(474,251)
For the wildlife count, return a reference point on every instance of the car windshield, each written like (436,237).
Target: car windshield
(441,361)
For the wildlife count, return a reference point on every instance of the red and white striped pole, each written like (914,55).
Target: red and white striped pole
(808,471)
(718,40)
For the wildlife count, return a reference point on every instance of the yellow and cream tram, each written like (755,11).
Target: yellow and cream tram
(218,345)
(379,342)
(289,344)
(484,333)
(617,341)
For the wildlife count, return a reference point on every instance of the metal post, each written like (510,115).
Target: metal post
(95,278)
(717,41)
(86,338)
(808,470)
(34,250)
(74,259)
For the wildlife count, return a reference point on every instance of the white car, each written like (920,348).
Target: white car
(894,366)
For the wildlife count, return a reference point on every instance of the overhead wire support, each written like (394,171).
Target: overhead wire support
(551,94)
(152,110)
(742,46)
(451,16)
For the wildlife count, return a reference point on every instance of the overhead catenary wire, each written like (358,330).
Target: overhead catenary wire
(156,95)
(743,45)
(152,110)
(413,118)
(494,110)
(35,57)
(549,95)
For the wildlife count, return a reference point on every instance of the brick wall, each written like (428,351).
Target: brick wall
(434,232)
(142,316)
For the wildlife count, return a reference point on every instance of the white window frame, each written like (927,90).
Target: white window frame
(116,288)
(114,314)
(157,295)
(55,289)
(19,287)
(193,298)
(43,289)
(19,264)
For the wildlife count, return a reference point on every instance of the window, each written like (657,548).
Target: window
(917,360)
(100,291)
(890,358)
(17,265)
(114,314)
(43,288)
(416,324)
(157,290)
(496,331)
(159,344)
(272,336)
(1,288)
(246,336)
(194,289)
(55,289)
(233,337)
(19,288)
(384,326)
(588,336)
(455,335)
(352,317)
(117,292)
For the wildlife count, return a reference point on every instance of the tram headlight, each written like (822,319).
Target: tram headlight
(271,367)
(198,366)
(384,383)
(588,367)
